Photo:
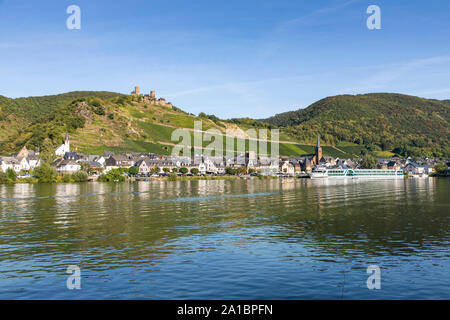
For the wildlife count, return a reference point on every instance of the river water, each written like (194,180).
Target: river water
(226,239)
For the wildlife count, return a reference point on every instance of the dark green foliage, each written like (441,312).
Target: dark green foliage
(3,177)
(99,110)
(410,125)
(114,175)
(441,168)
(45,173)
(40,107)
(368,162)
(133,171)
(231,171)
(194,171)
(123,100)
(80,176)
(184,170)
(11,175)
(67,178)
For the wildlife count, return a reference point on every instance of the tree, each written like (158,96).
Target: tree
(194,171)
(114,175)
(3,178)
(45,173)
(166,170)
(133,171)
(441,168)
(11,175)
(175,170)
(67,178)
(368,162)
(80,176)
(184,170)
(155,169)
(242,170)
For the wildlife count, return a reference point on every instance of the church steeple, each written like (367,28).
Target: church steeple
(318,153)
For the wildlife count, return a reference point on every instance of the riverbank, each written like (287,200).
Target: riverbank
(33,180)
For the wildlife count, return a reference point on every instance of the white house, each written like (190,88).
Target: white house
(288,168)
(143,166)
(34,162)
(202,168)
(68,166)
(24,164)
(10,163)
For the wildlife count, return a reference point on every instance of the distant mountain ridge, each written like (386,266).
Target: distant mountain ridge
(347,125)
(386,121)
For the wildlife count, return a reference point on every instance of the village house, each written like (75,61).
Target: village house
(287,167)
(414,169)
(68,166)
(143,166)
(10,163)
(118,161)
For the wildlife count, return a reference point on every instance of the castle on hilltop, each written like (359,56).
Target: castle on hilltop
(151,98)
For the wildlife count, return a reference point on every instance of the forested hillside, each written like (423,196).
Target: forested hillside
(381,122)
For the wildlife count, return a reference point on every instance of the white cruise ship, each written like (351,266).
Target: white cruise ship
(320,172)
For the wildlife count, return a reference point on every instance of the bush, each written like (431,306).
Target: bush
(133,171)
(45,173)
(66,178)
(3,177)
(184,170)
(231,171)
(173,177)
(441,168)
(80,176)
(11,175)
(100,110)
(194,171)
(114,175)
(368,162)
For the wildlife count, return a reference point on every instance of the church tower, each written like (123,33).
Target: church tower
(318,153)
(67,143)
(65,147)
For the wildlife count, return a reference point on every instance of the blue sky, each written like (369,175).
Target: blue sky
(229,58)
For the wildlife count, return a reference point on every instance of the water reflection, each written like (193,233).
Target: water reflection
(145,225)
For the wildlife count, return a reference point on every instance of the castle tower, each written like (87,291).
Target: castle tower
(318,153)
(136,90)
(152,95)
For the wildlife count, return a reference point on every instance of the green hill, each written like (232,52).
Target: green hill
(100,121)
(107,121)
(379,122)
